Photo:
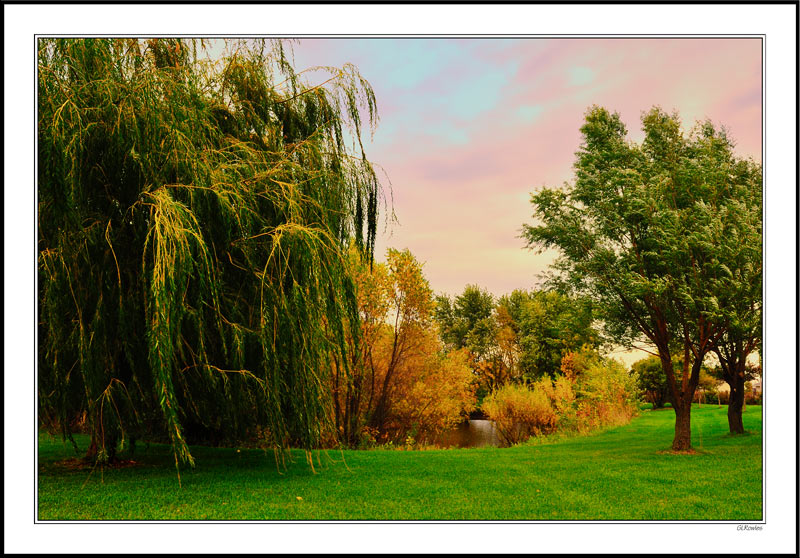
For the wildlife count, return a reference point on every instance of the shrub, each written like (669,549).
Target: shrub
(575,363)
(368,438)
(520,412)
(751,398)
(593,392)
(607,395)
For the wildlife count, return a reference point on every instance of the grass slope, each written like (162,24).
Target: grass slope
(619,474)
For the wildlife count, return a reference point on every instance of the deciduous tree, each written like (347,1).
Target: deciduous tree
(404,380)
(741,305)
(652,381)
(643,233)
(550,325)
(192,220)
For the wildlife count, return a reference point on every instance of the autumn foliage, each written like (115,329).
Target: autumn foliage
(606,395)
(402,381)
(431,392)
(591,392)
(520,411)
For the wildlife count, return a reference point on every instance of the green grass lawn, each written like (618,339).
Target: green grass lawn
(618,474)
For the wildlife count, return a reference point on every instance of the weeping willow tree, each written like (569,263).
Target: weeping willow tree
(193,215)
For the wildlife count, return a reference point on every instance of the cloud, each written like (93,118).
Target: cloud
(476,89)
(470,127)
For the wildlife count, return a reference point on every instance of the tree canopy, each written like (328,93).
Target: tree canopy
(549,325)
(464,316)
(517,337)
(193,221)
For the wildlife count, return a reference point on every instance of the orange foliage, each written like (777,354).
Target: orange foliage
(431,391)
(591,393)
(402,382)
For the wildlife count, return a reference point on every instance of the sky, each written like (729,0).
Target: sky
(470,127)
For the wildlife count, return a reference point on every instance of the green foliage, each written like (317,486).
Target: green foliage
(550,325)
(469,322)
(651,380)
(707,385)
(193,216)
(465,320)
(523,335)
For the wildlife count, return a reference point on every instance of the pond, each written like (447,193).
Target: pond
(474,433)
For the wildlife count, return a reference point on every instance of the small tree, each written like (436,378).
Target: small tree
(706,386)
(742,317)
(410,315)
(403,381)
(652,381)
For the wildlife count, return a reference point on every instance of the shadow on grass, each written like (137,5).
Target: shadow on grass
(83,464)
(690,451)
(738,434)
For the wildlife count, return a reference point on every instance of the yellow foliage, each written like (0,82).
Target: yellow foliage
(520,412)
(592,392)
(575,363)
(607,395)
(402,383)
(430,391)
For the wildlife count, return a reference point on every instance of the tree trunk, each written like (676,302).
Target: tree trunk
(378,418)
(91,452)
(683,426)
(733,372)
(736,404)
(96,444)
(681,392)
(337,410)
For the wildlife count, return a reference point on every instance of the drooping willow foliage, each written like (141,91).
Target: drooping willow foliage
(193,213)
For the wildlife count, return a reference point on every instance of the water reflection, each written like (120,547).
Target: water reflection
(471,434)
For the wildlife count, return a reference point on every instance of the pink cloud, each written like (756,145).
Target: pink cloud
(461,203)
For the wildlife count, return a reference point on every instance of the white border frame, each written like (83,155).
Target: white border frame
(776,22)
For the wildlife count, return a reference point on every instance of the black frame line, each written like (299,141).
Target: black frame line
(417,2)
